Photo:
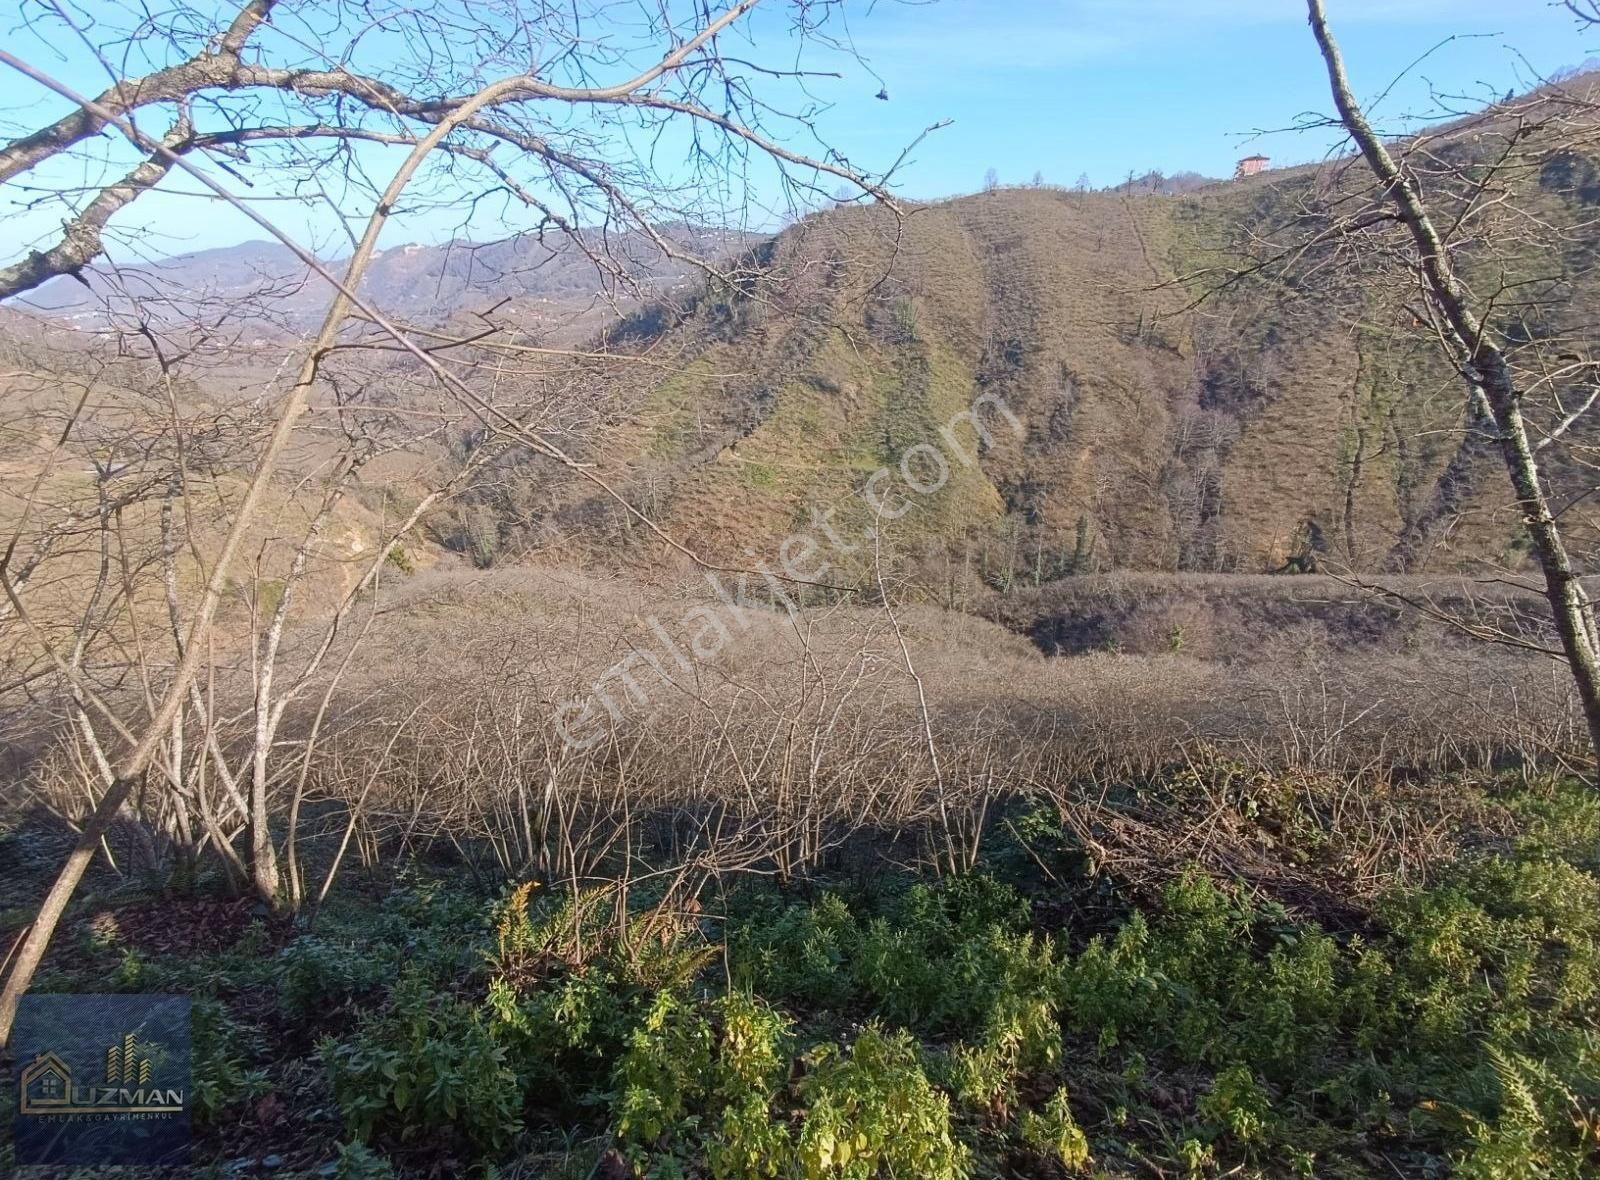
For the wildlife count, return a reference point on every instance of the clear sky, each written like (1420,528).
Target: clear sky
(1061,88)
(1103,87)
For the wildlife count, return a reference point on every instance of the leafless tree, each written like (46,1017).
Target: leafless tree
(1480,330)
(495,102)
(303,63)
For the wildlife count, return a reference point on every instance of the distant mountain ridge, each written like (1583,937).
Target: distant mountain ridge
(424,284)
(1164,419)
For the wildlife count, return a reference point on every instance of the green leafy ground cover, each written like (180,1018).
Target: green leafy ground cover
(894,1025)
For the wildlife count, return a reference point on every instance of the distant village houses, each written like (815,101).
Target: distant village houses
(1250,165)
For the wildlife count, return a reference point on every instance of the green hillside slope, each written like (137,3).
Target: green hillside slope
(1141,405)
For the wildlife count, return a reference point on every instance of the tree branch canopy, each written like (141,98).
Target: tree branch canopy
(277,78)
(545,102)
(1475,344)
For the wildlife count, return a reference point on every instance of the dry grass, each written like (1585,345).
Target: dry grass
(804,739)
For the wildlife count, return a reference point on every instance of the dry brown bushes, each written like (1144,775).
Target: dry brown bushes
(804,733)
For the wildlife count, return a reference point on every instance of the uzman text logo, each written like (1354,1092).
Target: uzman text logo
(102,1080)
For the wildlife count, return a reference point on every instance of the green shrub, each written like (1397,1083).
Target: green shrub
(1214,978)
(132,971)
(749,1142)
(1497,970)
(317,977)
(221,1050)
(983,1079)
(665,1071)
(872,1110)
(1459,1031)
(751,1051)
(428,1065)
(1055,1134)
(400,559)
(1499,949)
(1496,964)
(752,1064)
(1559,821)
(357,1161)
(427,927)
(1019,1034)
(1196,1155)
(1237,1106)
(564,1038)
(684,1087)
(932,960)
(797,952)
(1112,987)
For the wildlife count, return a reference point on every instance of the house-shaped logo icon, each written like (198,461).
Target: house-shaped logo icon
(101,1080)
(46,1085)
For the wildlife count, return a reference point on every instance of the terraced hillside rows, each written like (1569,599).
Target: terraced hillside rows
(1146,398)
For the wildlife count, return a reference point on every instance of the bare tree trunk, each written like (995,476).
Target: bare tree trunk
(263,854)
(1494,386)
(218,67)
(133,764)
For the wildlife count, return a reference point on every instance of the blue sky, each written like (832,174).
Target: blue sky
(1107,86)
(1061,88)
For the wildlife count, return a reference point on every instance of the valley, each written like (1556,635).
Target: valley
(640,648)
